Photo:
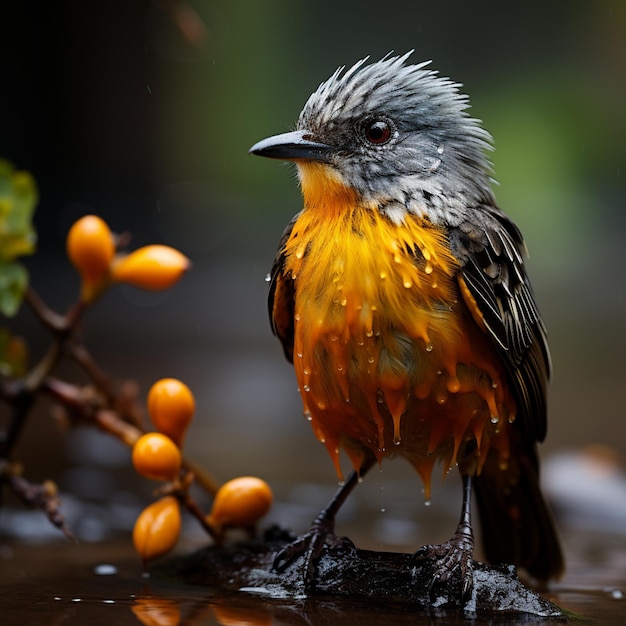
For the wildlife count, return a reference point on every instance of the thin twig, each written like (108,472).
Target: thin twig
(61,326)
(42,496)
(124,401)
(208,482)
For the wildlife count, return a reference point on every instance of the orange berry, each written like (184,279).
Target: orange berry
(157,528)
(240,502)
(91,248)
(151,267)
(156,456)
(171,406)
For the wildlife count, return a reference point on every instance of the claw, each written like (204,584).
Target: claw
(453,561)
(454,564)
(321,533)
(310,546)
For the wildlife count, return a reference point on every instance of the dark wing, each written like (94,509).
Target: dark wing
(496,288)
(280,300)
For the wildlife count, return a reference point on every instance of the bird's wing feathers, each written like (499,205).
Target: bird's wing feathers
(280,300)
(495,287)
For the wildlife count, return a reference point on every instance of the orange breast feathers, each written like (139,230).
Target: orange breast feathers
(388,357)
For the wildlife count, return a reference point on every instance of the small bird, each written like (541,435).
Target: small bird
(400,294)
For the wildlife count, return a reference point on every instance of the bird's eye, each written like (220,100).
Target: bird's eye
(378,132)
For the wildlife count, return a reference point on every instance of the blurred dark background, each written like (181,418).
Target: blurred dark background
(143,112)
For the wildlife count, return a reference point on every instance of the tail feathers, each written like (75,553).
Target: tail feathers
(517,526)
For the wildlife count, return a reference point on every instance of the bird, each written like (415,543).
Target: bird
(400,294)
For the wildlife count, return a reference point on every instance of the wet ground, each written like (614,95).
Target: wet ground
(58,582)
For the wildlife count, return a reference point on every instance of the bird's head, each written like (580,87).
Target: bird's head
(396,136)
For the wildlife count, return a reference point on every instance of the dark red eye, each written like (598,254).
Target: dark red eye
(378,132)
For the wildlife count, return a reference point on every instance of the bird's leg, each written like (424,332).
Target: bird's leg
(322,532)
(455,558)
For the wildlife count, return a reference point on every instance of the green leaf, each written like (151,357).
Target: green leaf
(18,198)
(13,283)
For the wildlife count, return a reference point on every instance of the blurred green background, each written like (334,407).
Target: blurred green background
(143,113)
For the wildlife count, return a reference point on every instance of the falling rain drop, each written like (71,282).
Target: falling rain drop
(428,502)
(268,278)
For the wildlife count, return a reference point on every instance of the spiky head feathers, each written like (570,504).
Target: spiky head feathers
(399,133)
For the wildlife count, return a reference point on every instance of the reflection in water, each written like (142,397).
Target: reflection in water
(227,613)
(155,611)
(59,584)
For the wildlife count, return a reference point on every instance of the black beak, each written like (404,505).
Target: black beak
(292,146)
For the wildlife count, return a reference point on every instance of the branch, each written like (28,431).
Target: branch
(83,405)
(22,392)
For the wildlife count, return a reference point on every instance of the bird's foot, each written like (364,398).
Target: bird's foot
(310,546)
(453,565)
